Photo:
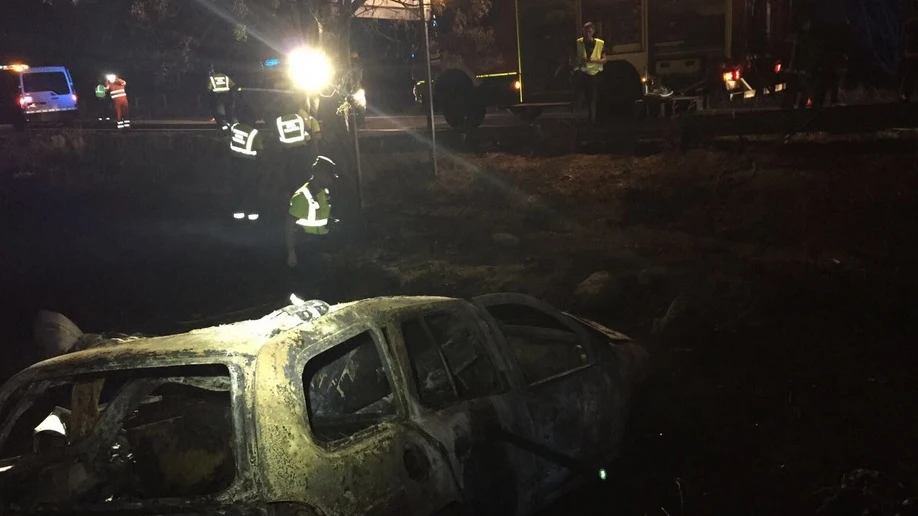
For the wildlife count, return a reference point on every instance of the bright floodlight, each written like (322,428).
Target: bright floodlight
(309,69)
(602,474)
(110,77)
(360,98)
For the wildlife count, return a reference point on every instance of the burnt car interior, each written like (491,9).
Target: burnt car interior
(347,389)
(543,346)
(132,435)
(449,362)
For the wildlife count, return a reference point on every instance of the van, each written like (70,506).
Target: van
(47,93)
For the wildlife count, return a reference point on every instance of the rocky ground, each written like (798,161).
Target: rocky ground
(773,283)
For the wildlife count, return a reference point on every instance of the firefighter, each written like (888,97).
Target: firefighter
(115,86)
(222,88)
(310,209)
(590,58)
(246,145)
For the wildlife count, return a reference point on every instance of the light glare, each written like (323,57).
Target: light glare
(360,97)
(309,69)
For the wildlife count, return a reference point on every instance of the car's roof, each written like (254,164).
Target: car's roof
(241,339)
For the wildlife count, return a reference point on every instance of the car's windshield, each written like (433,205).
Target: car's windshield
(124,435)
(55,82)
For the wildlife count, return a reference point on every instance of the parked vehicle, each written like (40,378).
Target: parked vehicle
(402,405)
(47,93)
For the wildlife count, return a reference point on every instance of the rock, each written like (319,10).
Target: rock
(505,239)
(597,285)
(689,319)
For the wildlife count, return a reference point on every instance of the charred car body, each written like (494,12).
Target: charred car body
(405,405)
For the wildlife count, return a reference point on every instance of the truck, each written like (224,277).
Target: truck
(710,53)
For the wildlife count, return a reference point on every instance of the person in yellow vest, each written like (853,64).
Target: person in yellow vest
(310,209)
(591,56)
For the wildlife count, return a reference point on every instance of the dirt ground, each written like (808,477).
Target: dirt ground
(773,283)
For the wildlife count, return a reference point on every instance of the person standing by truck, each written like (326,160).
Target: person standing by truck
(591,56)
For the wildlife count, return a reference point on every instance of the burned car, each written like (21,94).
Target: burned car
(399,405)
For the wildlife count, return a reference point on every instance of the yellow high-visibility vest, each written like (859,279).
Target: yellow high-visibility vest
(585,66)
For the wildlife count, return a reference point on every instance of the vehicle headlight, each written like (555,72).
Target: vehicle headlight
(309,69)
(360,98)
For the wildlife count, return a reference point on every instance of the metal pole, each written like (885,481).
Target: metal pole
(431,122)
(357,158)
(519,50)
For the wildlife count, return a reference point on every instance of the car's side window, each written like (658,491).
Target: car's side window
(347,389)
(448,360)
(543,346)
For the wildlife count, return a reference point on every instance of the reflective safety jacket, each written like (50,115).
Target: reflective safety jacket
(220,83)
(116,88)
(291,130)
(245,142)
(312,212)
(585,66)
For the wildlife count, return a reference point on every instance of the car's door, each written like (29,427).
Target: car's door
(565,391)
(460,396)
(371,461)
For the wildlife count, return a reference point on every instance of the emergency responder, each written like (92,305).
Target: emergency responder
(310,209)
(246,145)
(222,89)
(298,134)
(590,58)
(116,90)
(102,108)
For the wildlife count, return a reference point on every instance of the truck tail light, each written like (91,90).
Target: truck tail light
(25,100)
(778,67)
(732,76)
(74,97)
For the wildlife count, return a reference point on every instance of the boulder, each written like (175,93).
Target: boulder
(596,286)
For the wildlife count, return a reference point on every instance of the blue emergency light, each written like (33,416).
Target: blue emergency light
(272,62)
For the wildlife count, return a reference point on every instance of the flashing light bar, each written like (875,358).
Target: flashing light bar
(18,67)
(272,62)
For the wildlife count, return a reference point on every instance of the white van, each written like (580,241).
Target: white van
(46,93)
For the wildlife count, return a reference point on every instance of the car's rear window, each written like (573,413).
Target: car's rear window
(34,82)
(144,434)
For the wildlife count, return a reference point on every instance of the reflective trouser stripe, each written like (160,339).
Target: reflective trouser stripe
(312,224)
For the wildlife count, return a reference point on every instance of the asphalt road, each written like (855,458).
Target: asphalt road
(374,125)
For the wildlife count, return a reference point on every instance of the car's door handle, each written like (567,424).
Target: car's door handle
(416,464)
